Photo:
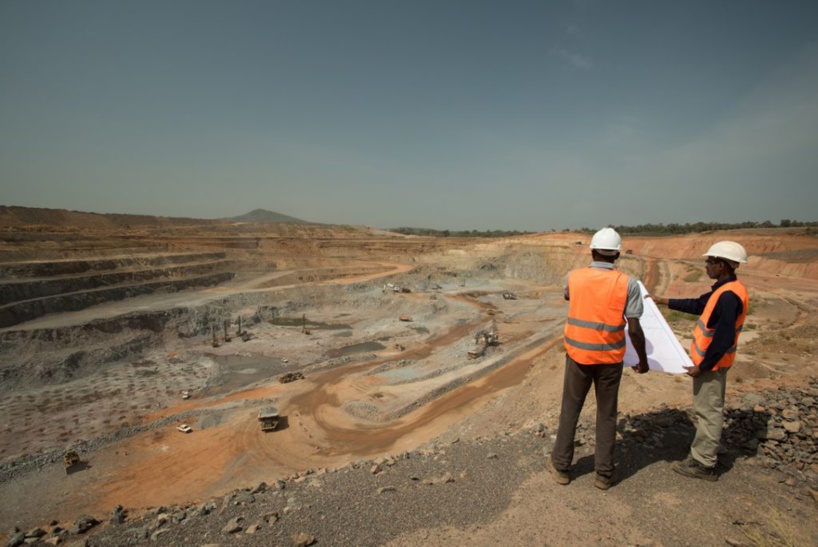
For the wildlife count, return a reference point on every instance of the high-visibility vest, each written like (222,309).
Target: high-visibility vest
(703,336)
(595,328)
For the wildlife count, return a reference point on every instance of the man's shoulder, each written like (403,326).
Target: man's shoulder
(732,287)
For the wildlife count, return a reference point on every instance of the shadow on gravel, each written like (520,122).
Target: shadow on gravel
(283,423)
(77,467)
(665,435)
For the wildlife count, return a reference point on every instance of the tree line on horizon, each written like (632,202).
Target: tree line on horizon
(640,229)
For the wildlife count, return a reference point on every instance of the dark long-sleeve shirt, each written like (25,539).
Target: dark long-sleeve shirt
(722,320)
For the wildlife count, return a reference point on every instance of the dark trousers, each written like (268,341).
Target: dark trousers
(578,381)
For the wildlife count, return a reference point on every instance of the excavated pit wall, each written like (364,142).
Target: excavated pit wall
(14,314)
(49,268)
(32,289)
(52,355)
(546,265)
(42,288)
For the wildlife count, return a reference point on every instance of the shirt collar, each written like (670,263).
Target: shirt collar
(603,265)
(718,284)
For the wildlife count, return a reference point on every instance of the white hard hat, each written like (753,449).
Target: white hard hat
(606,240)
(728,250)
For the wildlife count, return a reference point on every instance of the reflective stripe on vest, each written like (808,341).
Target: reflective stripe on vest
(703,337)
(595,328)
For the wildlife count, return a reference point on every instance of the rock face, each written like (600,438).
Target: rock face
(18,308)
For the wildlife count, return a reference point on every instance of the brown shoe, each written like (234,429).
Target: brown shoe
(691,468)
(560,477)
(603,483)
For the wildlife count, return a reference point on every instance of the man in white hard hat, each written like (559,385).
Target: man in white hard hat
(721,315)
(600,299)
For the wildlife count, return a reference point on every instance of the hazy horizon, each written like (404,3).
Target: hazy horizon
(459,115)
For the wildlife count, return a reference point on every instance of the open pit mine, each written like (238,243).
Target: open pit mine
(179,359)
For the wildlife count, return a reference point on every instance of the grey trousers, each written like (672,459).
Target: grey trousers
(578,381)
(708,404)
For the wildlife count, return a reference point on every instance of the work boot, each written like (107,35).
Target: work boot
(560,477)
(602,482)
(689,467)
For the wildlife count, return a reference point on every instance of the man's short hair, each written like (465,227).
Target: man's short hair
(606,252)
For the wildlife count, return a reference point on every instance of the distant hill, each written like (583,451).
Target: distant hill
(262,215)
(15,217)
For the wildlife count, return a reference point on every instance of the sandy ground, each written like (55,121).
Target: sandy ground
(374,384)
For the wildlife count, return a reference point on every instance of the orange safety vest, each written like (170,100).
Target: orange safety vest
(703,336)
(595,328)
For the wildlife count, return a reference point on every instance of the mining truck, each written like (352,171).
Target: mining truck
(268,417)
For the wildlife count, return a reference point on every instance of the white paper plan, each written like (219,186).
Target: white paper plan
(665,353)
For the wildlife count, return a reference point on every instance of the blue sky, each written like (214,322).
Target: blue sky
(515,115)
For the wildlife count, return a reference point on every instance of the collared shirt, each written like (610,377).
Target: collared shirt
(722,320)
(633,306)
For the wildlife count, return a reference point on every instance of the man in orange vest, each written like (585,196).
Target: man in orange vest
(600,299)
(722,312)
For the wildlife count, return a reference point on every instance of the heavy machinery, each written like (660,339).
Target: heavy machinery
(71,459)
(269,418)
(396,288)
(483,339)
(290,377)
